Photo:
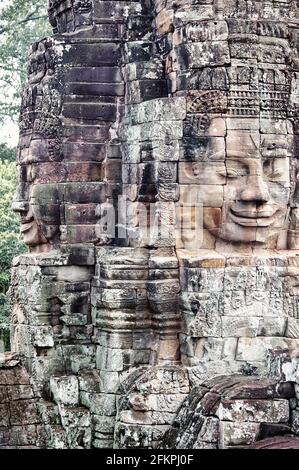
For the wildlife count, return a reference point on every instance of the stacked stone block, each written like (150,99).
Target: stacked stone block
(231,412)
(51,326)
(20,423)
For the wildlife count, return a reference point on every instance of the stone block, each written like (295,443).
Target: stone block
(258,411)
(103,424)
(272,326)
(103,404)
(238,434)
(208,195)
(160,109)
(257,349)
(65,389)
(42,336)
(91,55)
(23,412)
(157,402)
(238,327)
(292,329)
(74,417)
(18,392)
(209,431)
(203,54)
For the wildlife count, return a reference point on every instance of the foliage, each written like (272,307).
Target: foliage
(22,22)
(7,154)
(10,243)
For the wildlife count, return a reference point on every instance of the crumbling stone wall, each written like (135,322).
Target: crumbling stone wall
(228,412)
(158,198)
(20,423)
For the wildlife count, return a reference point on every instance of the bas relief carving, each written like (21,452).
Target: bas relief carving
(189,111)
(253,172)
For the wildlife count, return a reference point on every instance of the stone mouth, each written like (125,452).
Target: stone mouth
(26,224)
(252,219)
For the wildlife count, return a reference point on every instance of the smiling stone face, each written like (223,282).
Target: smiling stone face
(242,172)
(256,193)
(38,206)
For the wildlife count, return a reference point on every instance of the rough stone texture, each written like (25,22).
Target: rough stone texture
(158,194)
(286,442)
(220,414)
(21,425)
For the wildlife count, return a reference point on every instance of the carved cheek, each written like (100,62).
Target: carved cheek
(33,235)
(233,189)
(279,195)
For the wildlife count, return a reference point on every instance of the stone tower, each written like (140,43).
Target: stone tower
(158,305)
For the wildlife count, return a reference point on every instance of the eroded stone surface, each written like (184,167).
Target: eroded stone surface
(141,317)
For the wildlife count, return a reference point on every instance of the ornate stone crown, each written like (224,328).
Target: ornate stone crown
(243,103)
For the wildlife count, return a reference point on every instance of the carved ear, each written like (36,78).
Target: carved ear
(293,232)
(50,231)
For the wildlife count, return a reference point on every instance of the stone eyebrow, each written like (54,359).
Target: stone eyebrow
(240,153)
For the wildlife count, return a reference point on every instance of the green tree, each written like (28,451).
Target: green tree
(7,154)
(10,242)
(22,22)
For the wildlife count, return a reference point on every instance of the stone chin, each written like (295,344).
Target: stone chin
(31,232)
(232,232)
(34,237)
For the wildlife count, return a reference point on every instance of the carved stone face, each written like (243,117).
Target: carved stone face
(255,179)
(58,203)
(38,207)
(60,183)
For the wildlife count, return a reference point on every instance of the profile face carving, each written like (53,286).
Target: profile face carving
(61,150)
(39,209)
(256,187)
(58,212)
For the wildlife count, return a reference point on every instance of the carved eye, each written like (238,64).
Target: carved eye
(235,173)
(275,175)
(271,170)
(231,173)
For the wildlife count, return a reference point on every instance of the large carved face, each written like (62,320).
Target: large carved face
(256,192)
(243,180)
(39,209)
(59,203)
(60,184)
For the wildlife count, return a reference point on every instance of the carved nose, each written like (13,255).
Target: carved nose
(20,206)
(256,191)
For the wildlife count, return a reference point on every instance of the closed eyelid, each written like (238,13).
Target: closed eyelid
(234,172)
(237,166)
(275,168)
(231,172)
